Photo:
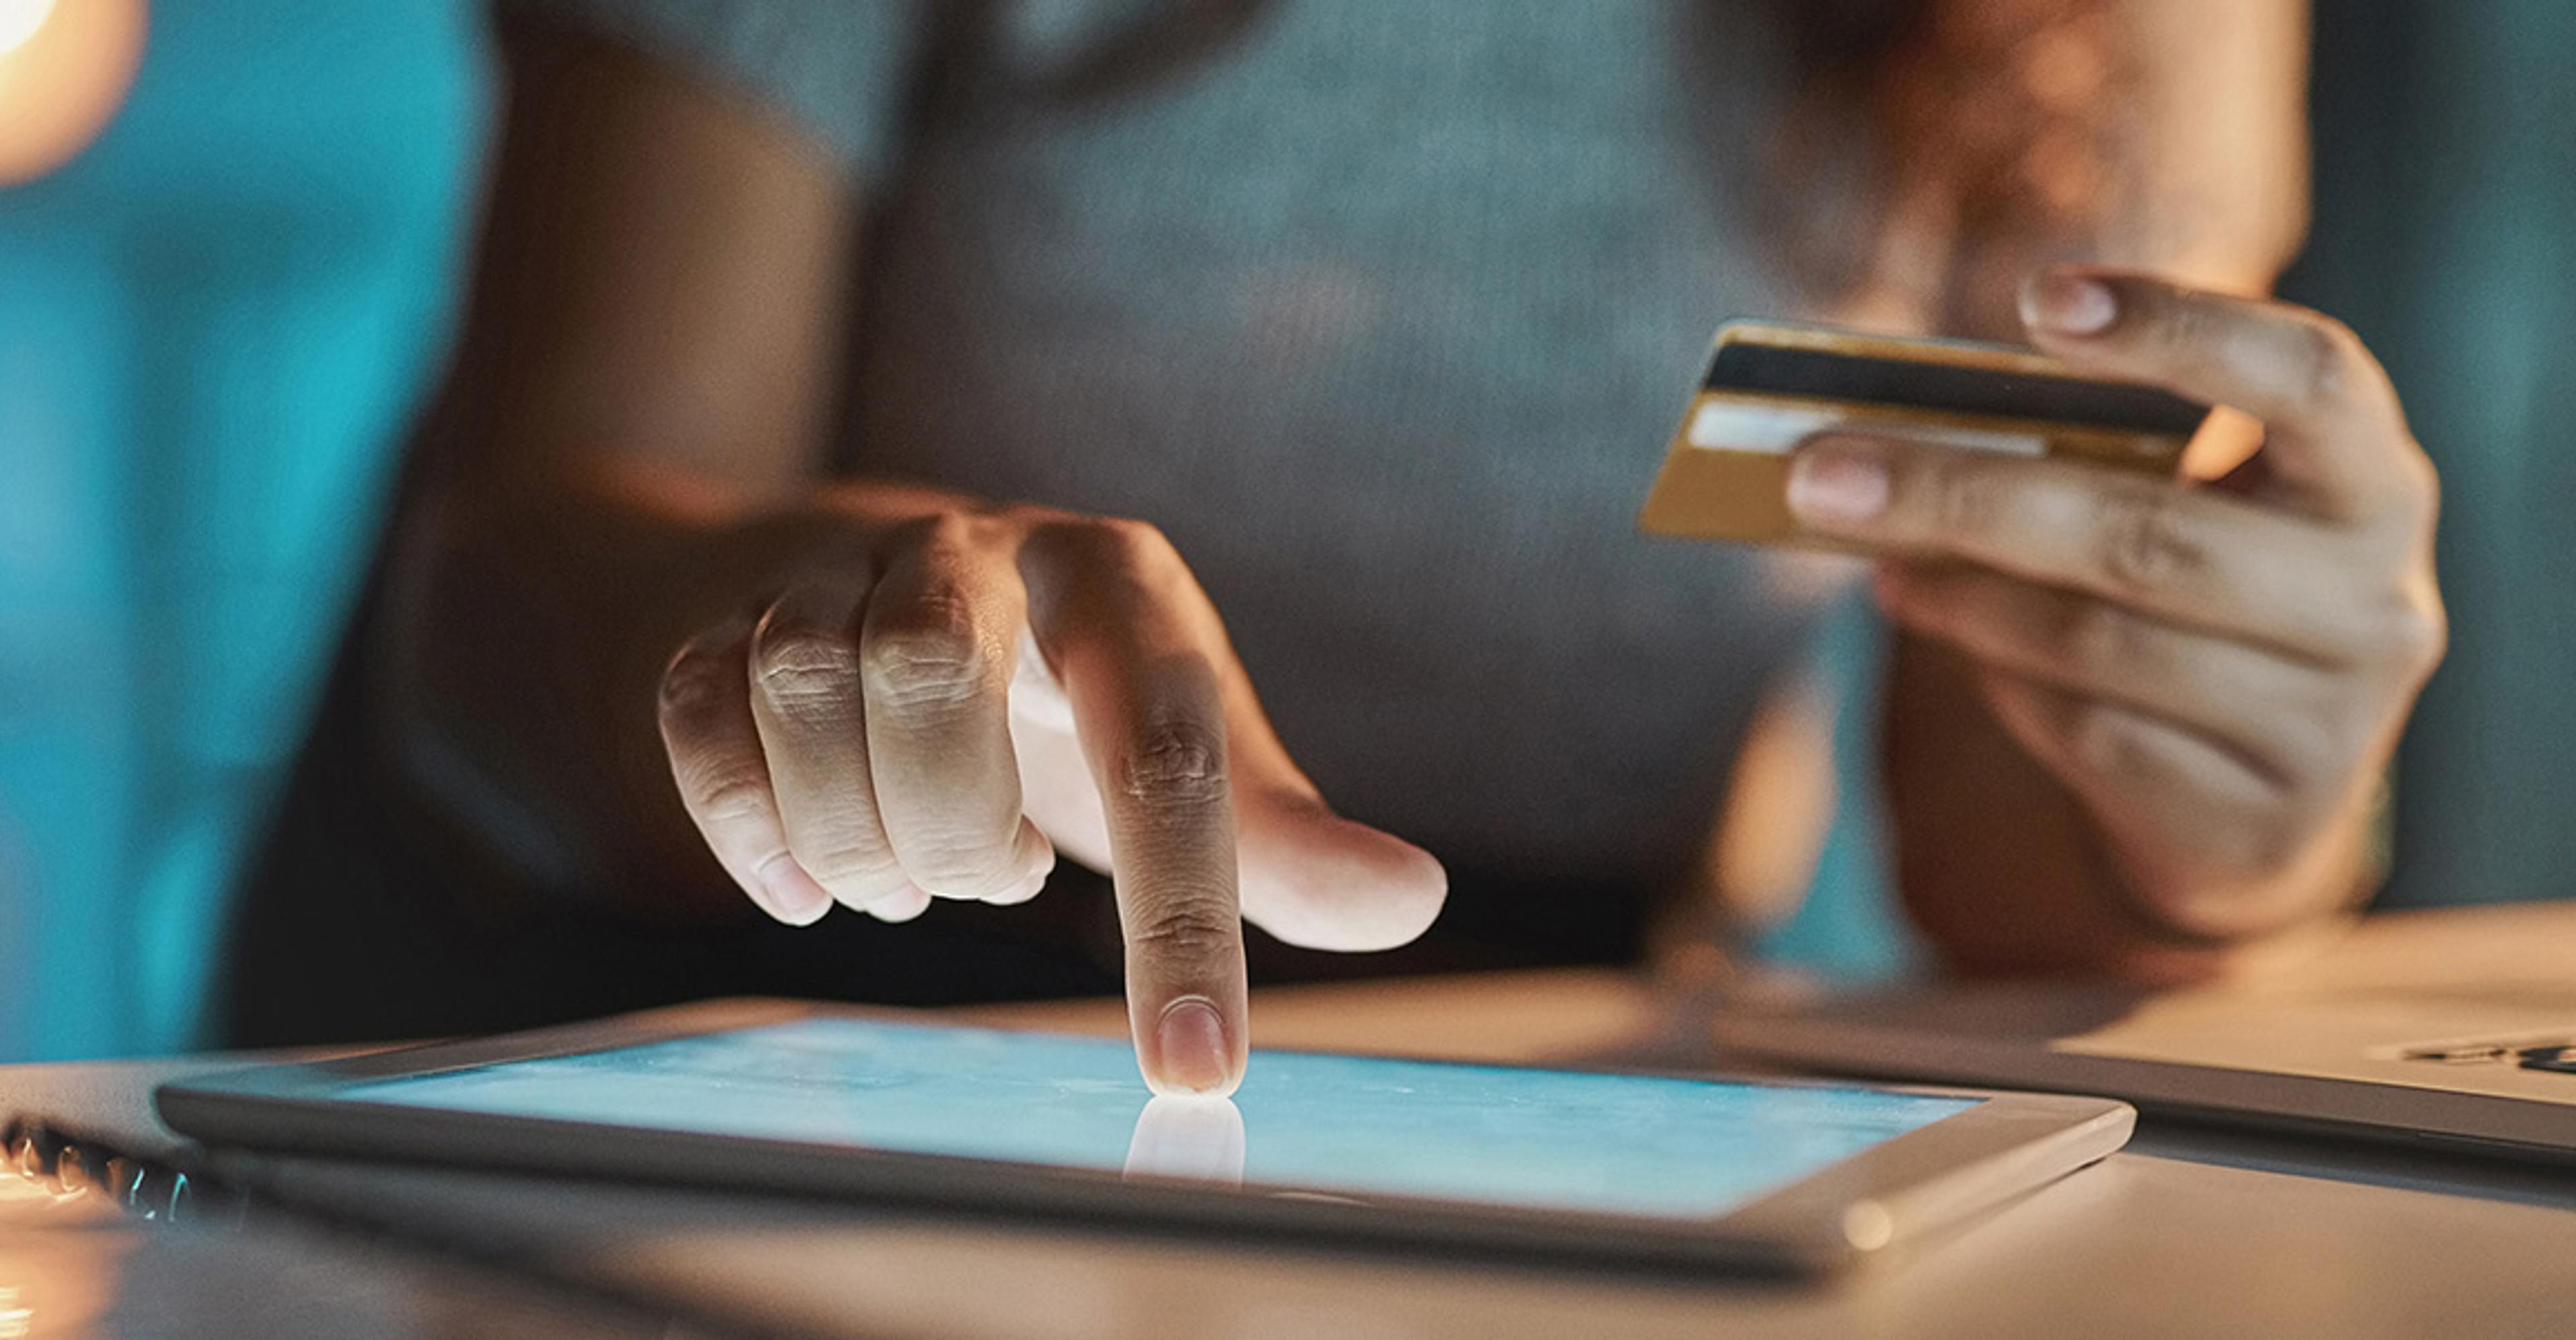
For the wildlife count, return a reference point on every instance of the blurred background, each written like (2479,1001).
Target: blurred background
(218,313)
(214,323)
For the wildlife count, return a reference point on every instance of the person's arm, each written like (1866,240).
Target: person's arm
(646,365)
(2136,724)
(2003,858)
(626,614)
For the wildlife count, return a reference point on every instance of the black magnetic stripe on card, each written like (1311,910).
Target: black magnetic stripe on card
(1822,374)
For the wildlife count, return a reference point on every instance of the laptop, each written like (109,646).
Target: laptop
(2453,1029)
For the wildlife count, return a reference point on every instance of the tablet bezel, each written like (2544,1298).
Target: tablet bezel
(1860,1207)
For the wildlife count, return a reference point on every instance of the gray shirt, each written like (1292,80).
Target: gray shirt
(1383,310)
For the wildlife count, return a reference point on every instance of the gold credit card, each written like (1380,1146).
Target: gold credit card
(1771,386)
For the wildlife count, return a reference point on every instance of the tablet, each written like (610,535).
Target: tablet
(888,1106)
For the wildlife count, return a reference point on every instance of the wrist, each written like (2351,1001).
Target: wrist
(2324,885)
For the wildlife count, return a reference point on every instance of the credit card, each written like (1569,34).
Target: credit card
(1771,386)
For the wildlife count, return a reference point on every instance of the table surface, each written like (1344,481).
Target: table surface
(2189,1232)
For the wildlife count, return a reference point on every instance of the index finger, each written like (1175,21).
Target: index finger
(2195,556)
(1136,650)
(2334,432)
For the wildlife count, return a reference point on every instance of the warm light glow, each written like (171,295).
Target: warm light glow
(64,70)
(62,1283)
(19,20)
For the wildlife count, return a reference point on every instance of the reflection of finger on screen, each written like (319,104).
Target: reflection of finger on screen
(1198,1139)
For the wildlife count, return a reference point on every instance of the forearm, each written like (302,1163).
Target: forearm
(628,448)
(2002,864)
(515,664)
(2005,872)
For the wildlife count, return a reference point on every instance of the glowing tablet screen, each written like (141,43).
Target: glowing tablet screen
(1345,1125)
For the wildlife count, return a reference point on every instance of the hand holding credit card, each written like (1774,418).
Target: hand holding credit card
(2214,672)
(1772,386)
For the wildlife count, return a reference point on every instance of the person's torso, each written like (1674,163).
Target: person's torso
(1383,312)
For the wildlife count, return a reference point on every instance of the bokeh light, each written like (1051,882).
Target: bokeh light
(64,70)
(19,20)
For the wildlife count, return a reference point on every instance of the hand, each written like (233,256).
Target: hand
(2217,673)
(987,686)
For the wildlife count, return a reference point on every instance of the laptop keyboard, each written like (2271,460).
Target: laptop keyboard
(2561,1059)
(2556,1055)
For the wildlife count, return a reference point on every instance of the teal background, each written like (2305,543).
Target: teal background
(212,325)
(2447,236)
(215,322)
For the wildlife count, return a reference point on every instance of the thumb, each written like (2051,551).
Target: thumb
(1320,881)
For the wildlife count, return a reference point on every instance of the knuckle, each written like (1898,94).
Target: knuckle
(1188,929)
(2416,635)
(2097,638)
(1139,544)
(2411,512)
(931,656)
(2228,843)
(694,685)
(2315,723)
(2251,844)
(2141,541)
(2424,484)
(1177,766)
(1112,566)
(796,663)
(1108,542)
(845,865)
(2105,741)
(1021,517)
(1128,558)
(2322,359)
(2317,737)
(1966,496)
(2414,513)
(956,861)
(2185,329)
(725,794)
(945,529)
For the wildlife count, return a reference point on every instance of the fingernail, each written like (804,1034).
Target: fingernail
(1020,892)
(902,905)
(1830,485)
(1191,1039)
(792,895)
(2068,304)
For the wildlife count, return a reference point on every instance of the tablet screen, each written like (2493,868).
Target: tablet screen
(1335,1125)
